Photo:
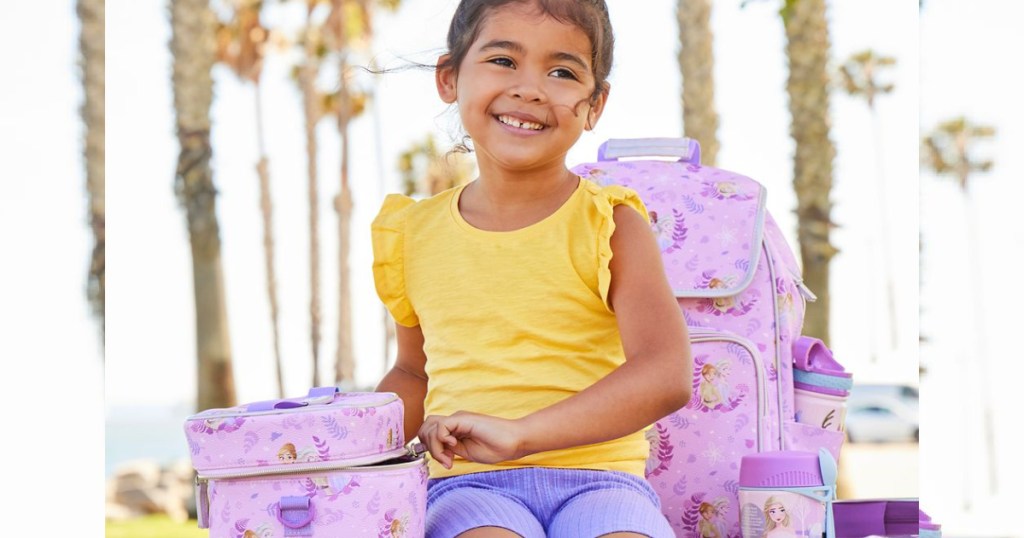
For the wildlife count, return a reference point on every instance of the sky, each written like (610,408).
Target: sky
(149,350)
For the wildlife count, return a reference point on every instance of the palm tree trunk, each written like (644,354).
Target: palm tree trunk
(344,367)
(981,358)
(267,211)
(307,79)
(192,45)
(807,48)
(696,64)
(883,227)
(91,42)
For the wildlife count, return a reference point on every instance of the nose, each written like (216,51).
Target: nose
(527,88)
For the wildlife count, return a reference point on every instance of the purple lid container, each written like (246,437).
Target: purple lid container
(784,468)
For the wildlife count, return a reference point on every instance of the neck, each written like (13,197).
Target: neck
(522,186)
(499,200)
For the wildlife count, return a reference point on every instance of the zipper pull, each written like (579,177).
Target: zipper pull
(805,292)
(416,449)
(202,502)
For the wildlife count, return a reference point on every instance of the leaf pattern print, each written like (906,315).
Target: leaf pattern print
(679,421)
(250,441)
(323,448)
(660,457)
(742,420)
(679,488)
(337,431)
(738,351)
(373,506)
(690,515)
(692,205)
(669,230)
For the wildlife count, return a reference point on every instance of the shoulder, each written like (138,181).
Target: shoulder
(613,200)
(398,209)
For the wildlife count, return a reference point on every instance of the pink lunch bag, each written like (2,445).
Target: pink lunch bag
(742,296)
(331,464)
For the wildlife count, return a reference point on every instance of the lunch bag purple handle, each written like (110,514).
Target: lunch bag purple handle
(317,395)
(687,149)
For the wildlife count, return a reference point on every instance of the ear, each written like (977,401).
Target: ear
(446,79)
(597,107)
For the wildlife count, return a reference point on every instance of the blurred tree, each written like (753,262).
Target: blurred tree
(193,47)
(947,151)
(427,171)
(348,31)
(860,79)
(241,43)
(696,64)
(91,44)
(807,49)
(313,53)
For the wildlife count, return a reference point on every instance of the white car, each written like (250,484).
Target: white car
(880,419)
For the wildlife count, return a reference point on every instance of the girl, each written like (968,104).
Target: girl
(537,334)
(776,519)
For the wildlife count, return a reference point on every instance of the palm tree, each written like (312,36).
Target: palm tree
(91,43)
(426,170)
(193,48)
(240,46)
(859,74)
(696,64)
(947,151)
(313,54)
(807,49)
(349,30)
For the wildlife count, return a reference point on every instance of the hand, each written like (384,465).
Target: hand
(472,436)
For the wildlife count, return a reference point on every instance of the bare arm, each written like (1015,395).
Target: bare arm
(653,382)
(407,377)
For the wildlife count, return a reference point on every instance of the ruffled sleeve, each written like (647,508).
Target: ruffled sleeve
(606,199)
(388,238)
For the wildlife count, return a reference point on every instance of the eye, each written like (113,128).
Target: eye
(564,73)
(502,61)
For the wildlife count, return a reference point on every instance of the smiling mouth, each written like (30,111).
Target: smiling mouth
(520,124)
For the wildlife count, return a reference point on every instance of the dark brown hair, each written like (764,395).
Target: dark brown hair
(590,16)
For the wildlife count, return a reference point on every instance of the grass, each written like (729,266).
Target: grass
(155,526)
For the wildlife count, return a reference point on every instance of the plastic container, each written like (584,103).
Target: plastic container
(787,493)
(821,385)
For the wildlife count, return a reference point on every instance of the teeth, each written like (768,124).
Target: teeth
(508,120)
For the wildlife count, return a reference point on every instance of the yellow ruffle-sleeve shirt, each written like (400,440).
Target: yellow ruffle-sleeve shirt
(513,322)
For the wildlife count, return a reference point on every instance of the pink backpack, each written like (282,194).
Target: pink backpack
(742,295)
(330,464)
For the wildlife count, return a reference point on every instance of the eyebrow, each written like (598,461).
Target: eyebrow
(520,49)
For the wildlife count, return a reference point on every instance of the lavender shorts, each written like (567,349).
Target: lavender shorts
(537,502)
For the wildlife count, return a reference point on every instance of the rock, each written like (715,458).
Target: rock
(144,487)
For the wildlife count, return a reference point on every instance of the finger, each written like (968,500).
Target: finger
(445,432)
(429,437)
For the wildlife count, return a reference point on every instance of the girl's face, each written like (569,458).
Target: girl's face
(523,89)
(777,512)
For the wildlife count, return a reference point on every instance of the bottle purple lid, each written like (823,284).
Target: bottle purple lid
(783,468)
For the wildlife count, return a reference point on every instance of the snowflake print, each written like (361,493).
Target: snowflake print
(713,455)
